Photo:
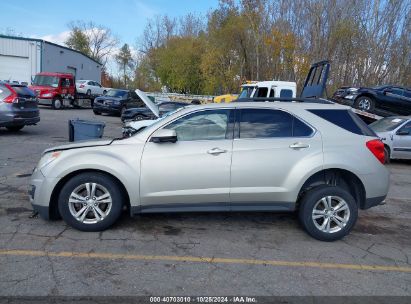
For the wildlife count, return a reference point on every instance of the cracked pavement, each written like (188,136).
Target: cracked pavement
(380,237)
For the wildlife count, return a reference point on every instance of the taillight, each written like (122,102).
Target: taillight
(376,147)
(12,98)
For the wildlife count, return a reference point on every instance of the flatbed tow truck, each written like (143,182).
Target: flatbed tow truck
(58,90)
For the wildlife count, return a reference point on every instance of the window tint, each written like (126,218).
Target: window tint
(345,119)
(406,127)
(262,123)
(397,91)
(134,95)
(261,92)
(204,125)
(272,93)
(23,91)
(285,93)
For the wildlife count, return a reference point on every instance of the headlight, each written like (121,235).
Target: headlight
(352,90)
(47,159)
(47,95)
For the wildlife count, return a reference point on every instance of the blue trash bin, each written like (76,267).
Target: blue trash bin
(85,129)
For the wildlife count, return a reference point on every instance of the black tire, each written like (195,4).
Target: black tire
(57,103)
(14,128)
(88,93)
(309,202)
(101,179)
(387,154)
(96,112)
(138,117)
(364,103)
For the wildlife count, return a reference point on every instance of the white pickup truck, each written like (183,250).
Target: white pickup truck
(272,88)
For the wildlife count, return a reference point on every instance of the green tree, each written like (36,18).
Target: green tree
(79,41)
(125,61)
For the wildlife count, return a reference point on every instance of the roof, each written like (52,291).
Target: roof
(50,43)
(277,104)
(55,74)
(270,83)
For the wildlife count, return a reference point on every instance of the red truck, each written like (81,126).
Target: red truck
(58,90)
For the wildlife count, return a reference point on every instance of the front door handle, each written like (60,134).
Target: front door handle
(299,145)
(216,151)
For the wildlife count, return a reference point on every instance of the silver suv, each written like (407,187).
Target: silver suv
(320,160)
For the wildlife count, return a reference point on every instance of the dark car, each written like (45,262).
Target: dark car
(146,113)
(116,102)
(18,106)
(383,100)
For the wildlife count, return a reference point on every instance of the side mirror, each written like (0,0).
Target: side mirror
(403,132)
(164,135)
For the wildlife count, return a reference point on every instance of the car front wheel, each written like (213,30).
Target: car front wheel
(90,201)
(328,213)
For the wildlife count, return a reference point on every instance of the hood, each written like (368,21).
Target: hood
(151,105)
(83,144)
(140,123)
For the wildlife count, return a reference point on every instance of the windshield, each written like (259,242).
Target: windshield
(117,93)
(386,124)
(42,80)
(246,92)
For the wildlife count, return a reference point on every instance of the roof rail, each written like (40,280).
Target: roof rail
(284,99)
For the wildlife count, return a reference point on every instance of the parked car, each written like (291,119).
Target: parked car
(18,106)
(319,159)
(147,114)
(395,133)
(116,102)
(383,100)
(90,87)
(158,111)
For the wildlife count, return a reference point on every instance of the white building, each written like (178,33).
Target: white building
(22,58)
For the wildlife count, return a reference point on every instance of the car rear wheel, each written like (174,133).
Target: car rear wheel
(328,213)
(57,104)
(14,128)
(365,103)
(90,202)
(96,112)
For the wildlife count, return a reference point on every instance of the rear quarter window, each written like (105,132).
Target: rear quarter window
(345,119)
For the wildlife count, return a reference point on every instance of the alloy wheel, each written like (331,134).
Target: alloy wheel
(90,203)
(331,214)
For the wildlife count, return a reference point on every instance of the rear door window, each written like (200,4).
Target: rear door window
(264,123)
(345,119)
(261,92)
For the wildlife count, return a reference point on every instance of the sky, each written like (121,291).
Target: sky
(48,20)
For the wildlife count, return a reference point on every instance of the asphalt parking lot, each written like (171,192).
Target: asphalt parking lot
(190,254)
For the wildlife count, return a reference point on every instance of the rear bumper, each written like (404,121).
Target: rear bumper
(20,121)
(43,211)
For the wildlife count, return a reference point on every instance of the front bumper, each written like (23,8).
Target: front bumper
(373,201)
(45,102)
(107,109)
(40,191)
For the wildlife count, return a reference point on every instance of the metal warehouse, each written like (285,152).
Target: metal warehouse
(21,58)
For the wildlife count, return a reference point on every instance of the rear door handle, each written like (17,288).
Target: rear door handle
(216,151)
(299,145)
